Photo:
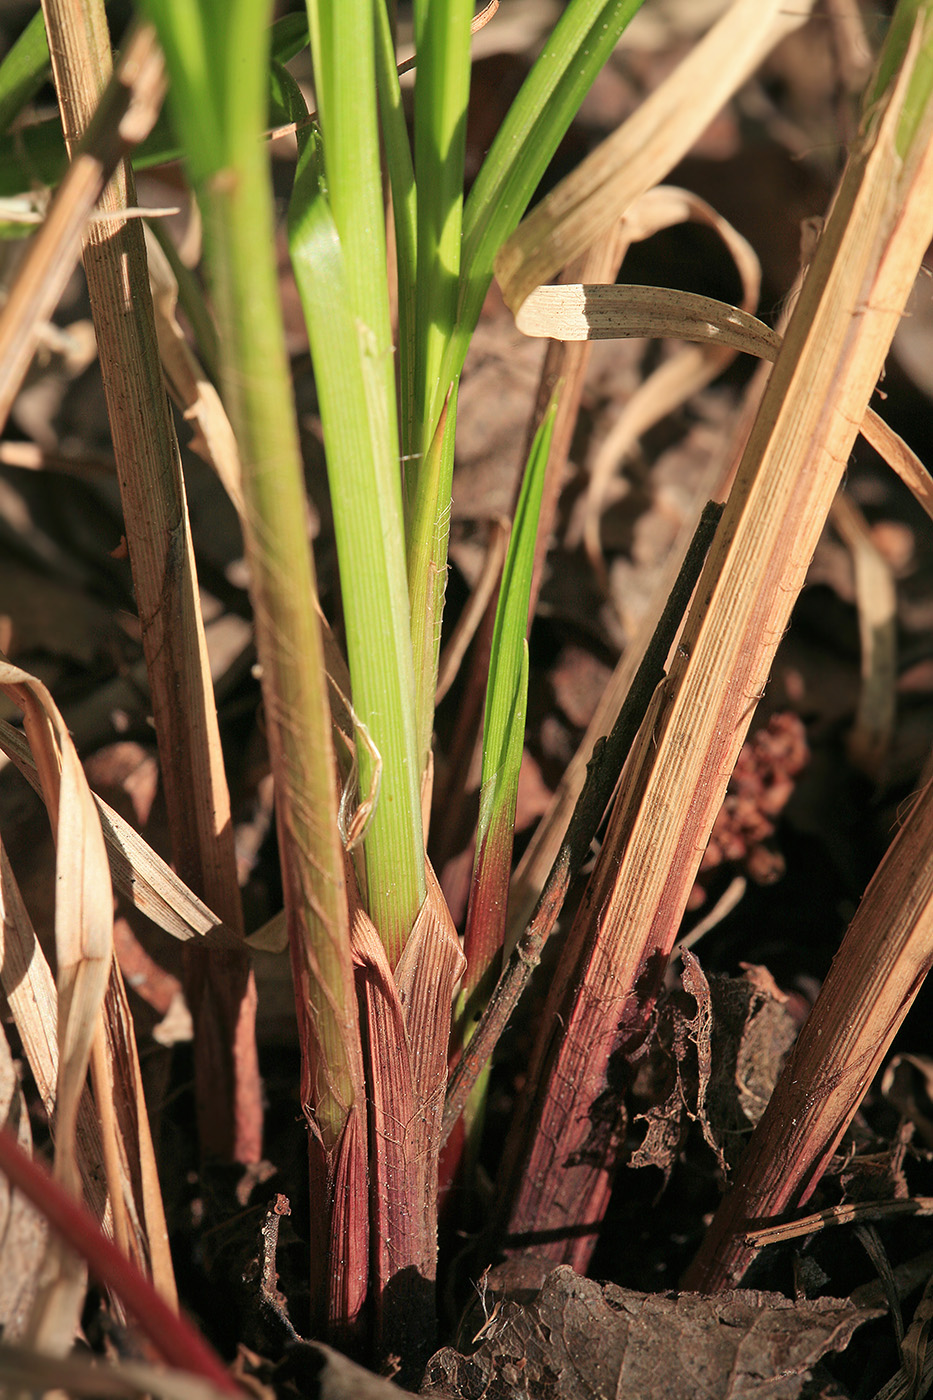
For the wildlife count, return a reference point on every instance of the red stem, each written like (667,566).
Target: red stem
(174,1338)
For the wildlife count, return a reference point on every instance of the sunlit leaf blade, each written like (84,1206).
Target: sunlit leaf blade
(504,728)
(368,527)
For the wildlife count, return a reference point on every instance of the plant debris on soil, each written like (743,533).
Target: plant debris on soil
(802,829)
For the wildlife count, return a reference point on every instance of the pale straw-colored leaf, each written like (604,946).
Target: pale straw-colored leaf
(645,148)
(84,945)
(869,739)
(194,393)
(84,899)
(141,875)
(610,313)
(23,1231)
(29,988)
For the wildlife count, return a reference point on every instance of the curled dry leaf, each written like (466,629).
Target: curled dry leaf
(84,944)
(141,875)
(84,903)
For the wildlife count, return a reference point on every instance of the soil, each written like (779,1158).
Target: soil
(803,829)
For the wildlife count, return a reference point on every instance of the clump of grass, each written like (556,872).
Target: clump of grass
(383,1002)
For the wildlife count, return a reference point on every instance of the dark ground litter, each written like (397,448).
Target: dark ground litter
(768,162)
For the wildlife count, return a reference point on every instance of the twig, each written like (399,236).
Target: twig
(856,1212)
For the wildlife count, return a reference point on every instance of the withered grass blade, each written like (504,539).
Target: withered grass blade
(60,1028)
(29,988)
(83,905)
(138,872)
(869,740)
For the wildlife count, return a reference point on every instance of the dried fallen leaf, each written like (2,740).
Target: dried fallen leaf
(580,1339)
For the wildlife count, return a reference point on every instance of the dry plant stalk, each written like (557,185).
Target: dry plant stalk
(557,1178)
(665,389)
(220,987)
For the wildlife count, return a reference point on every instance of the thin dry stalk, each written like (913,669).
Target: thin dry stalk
(869,739)
(558,1176)
(220,987)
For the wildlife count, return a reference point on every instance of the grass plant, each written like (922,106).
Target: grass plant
(385,1004)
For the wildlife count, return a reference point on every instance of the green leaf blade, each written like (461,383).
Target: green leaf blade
(504,731)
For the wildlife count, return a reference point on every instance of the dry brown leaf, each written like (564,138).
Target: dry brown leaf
(83,942)
(579,1339)
(839,333)
(29,988)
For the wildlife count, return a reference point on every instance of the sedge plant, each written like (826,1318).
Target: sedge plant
(382,1000)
